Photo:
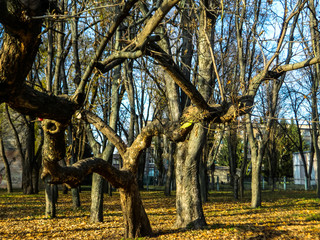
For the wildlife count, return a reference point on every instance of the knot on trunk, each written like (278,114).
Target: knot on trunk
(52,127)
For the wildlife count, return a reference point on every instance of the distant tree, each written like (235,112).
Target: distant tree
(3,154)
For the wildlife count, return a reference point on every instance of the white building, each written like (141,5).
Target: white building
(298,168)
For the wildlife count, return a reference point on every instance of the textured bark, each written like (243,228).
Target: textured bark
(135,218)
(20,45)
(53,150)
(188,200)
(255,181)
(257,153)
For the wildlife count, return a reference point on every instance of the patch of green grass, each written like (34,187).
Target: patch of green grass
(313,217)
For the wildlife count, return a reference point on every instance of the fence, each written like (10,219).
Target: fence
(281,184)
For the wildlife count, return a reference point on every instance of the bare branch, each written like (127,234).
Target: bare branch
(105,129)
(166,61)
(125,12)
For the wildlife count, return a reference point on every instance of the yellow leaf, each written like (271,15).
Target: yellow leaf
(186,124)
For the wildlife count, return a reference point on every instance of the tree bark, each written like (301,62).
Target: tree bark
(96,209)
(51,196)
(188,200)
(257,153)
(135,218)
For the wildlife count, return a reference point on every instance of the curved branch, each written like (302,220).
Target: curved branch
(73,175)
(166,61)
(295,66)
(154,21)
(105,129)
(29,101)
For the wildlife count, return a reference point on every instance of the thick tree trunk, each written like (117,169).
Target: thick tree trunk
(135,218)
(6,166)
(188,200)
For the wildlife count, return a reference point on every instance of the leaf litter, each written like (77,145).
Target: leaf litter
(283,215)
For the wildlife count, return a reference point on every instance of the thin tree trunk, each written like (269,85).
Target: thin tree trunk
(26,165)
(203,179)
(170,172)
(315,87)
(97,181)
(244,163)
(96,210)
(6,165)
(141,168)
(37,162)
(232,146)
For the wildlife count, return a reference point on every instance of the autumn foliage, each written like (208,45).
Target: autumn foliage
(284,215)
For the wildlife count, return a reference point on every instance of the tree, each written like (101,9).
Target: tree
(5,160)
(22,21)
(315,77)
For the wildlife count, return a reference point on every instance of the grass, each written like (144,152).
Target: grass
(283,215)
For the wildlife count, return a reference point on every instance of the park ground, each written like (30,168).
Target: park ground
(284,215)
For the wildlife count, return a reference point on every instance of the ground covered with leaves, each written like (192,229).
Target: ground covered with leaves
(284,215)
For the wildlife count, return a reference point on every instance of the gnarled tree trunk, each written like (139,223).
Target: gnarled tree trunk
(188,200)
(135,218)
